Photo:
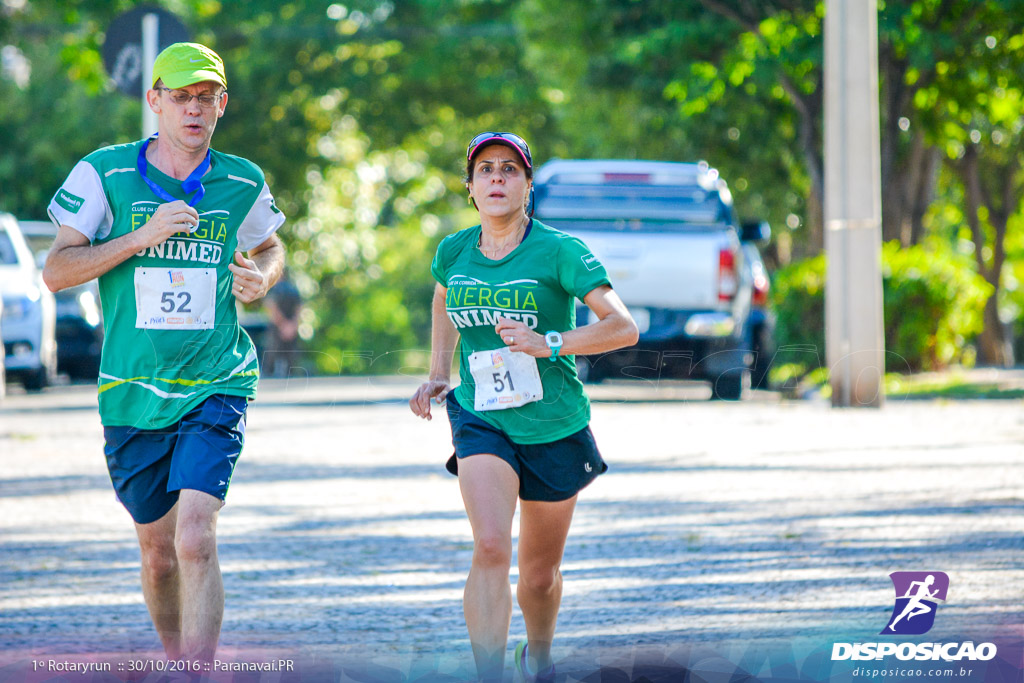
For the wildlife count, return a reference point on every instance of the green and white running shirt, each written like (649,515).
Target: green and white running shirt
(538,284)
(171,330)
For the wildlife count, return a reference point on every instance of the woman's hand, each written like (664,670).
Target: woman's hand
(518,337)
(436,389)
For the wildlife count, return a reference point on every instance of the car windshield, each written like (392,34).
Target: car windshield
(629,225)
(8,256)
(662,204)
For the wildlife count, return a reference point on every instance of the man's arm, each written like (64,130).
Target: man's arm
(254,276)
(72,260)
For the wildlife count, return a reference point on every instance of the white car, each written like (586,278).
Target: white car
(79,319)
(29,312)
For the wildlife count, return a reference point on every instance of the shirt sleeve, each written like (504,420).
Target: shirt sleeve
(81,203)
(579,270)
(438,268)
(262,221)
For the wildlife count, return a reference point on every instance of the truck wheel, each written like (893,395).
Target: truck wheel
(763,350)
(35,380)
(729,386)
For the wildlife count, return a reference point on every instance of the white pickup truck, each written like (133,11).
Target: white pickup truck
(668,236)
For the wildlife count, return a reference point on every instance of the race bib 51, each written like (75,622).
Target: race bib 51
(504,379)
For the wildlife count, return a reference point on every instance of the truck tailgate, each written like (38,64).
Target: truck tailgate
(675,270)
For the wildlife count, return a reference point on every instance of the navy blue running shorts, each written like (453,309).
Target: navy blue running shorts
(148,467)
(552,471)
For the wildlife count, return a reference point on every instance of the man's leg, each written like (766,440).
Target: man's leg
(490,489)
(210,439)
(202,590)
(160,579)
(543,528)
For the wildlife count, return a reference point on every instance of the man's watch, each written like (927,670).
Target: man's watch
(554,342)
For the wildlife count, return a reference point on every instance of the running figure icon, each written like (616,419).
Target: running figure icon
(916,607)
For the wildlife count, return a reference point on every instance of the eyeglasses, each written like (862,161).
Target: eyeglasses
(517,141)
(182,97)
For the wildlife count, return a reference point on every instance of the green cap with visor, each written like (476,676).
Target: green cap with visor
(184,64)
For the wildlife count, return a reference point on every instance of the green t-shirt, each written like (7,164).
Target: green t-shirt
(171,332)
(538,283)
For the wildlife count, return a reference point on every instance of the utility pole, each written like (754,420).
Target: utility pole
(134,38)
(150,41)
(853,205)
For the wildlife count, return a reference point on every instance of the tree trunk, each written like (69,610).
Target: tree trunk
(992,343)
(908,188)
(892,86)
(993,346)
(925,193)
(908,167)
(811,138)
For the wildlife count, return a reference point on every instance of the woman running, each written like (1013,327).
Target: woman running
(506,291)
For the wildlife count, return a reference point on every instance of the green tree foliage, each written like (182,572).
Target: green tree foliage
(340,102)
(358,112)
(665,80)
(416,75)
(362,252)
(976,103)
(54,106)
(741,84)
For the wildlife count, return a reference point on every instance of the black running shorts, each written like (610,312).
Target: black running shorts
(551,471)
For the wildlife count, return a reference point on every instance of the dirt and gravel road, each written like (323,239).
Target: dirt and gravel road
(724,529)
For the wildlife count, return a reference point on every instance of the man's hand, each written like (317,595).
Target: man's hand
(249,283)
(169,218)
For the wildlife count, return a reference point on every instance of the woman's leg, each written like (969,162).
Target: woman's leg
(490,489)
(543,528)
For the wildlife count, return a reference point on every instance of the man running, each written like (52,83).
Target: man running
(163,223)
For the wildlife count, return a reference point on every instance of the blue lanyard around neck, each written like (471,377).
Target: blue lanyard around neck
(193,183)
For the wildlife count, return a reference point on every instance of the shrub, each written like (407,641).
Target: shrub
(933,308)
(798,299)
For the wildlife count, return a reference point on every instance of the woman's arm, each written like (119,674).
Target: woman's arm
(614,329)
(443,337)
